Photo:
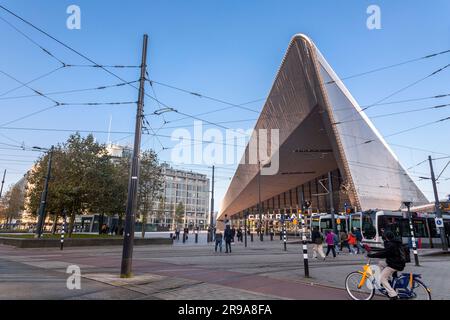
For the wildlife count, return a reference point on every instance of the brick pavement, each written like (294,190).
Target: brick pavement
(190,271)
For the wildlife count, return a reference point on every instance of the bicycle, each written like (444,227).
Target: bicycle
(362,285)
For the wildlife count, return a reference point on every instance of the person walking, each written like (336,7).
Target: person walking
(352,242)
(228,236)
(239,234)
(177,233)
(344,242)
(329,239)
(233,234)
(359,239)
(317,240)
(218,239)
(336,243)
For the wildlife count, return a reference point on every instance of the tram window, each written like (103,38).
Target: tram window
(355,222)
(368,228)
(420,229)
(325,224)
(390,223)
(405,228)
(433,230)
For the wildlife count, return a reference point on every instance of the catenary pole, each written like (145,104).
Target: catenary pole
(261,235)
(133,183)
(3,182)
(43,203)
(245,228)
(330,192)
(437,205)
(211,216)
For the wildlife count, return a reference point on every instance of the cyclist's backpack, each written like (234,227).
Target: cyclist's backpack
(405,254)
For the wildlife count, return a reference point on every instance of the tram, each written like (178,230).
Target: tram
(374,223)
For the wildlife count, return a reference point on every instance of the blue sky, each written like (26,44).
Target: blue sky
(230,50)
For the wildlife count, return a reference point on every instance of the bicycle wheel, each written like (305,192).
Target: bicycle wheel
(352,281)
(421,291)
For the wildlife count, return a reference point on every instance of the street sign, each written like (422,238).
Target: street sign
(439,222)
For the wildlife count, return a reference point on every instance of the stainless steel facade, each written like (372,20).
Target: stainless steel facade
(321,129)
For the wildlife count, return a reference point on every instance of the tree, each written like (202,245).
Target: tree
(83,180)
(179,213)
(12,204)
(150,185)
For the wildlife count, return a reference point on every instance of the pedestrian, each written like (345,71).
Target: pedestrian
(359,239)
(177,233)
(329,239)
(317,240)
(218,239)
(344,241)
(239,234)
(233,234)
(352,242)
(336,243)
(228,237)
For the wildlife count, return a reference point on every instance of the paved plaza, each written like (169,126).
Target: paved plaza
(193,271)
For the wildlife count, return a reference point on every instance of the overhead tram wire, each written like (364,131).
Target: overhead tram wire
(85,57)
(113,132)
(82,55)
(418,127)
(348,77)
(71,91)
(31,81)
(46,51)
(439,96)
(120,78)
(27,86)
(399,91)
(392,66)
(407,87)
(200,95)
(440,106)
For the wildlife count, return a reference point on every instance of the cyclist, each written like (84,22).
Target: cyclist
(392,252)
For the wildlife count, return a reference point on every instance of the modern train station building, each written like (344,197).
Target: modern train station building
(327,151)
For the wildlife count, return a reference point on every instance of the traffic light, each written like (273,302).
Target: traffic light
(349,210)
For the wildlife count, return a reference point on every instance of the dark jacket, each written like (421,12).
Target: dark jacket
(391,253)
(358,235)
(228,235)
(316,237)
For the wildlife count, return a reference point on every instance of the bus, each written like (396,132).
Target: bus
(374,223)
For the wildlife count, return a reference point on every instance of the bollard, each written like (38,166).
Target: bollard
(305,248)
(284,236)
(63,231)
(184,237)
(196,237)
(245,231)
(413,240)
(251,237)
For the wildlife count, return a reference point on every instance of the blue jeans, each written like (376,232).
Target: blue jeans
(218,243)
